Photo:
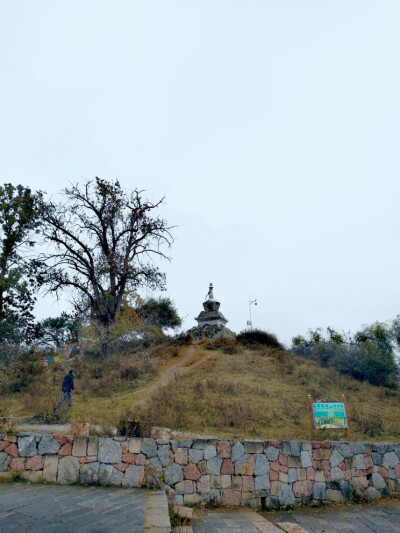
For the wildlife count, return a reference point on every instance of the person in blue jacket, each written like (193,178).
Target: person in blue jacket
(67,387)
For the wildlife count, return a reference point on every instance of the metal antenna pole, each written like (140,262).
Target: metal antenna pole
(250,304)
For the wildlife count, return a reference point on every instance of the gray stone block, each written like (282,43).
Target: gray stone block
(195,456)
(241,462)
(48,445)
(134,476)
(149,447)
(214,466)
(292,475)
(305,459)
(295,448)
(90,473)
(376,458)
(237,451)
(336,458)
(286,496)
(210,451)
(173,474)
(68,470)
(199,444)
(27,446)
(108,475)
(285,447)
(262,465)
(358,462)
(252,446)
(319,491)
(109,451)
(272,453)
(372,494)
(378,481)
(165,455)
(337,474)
(186,443)
(391,459)
(262,482)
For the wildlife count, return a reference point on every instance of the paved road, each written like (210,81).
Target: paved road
(70,509)
(383,517)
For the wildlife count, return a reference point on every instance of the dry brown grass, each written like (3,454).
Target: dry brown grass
(230,392)
(264,394)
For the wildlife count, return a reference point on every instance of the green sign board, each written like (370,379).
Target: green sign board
(329,415)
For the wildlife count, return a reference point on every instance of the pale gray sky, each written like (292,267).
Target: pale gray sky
(272,127)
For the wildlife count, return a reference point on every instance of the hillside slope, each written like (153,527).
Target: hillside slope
(263,393)
(230,391)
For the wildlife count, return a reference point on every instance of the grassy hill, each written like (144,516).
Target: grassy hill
(229,392)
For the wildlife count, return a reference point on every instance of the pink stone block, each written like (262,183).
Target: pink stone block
(397,470)
(310,473)
(327,474)
(124,446)
(342,466)
(121,466)
(66,449)
(231,497)
(383,471)
(3,444)
(274,443)
(275,466)
(129,458)
(227,467)
(248,484)
(34,463)
(325,464)
(17,463)
(12,450)
(359,473)
(283,468)
(316,444)
(191,471)
(283,460)
(61,439)
(317,465)
(203,485)
(302,488)
(273,475)
(316,454)
(368,461)
(140,459)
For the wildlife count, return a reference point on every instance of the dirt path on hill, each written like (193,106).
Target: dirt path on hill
(184,365)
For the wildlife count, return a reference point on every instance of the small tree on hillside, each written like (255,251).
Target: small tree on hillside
(103,241)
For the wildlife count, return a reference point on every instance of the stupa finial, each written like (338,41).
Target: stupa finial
(210,294)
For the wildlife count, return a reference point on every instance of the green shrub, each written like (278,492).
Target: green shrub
(258,337)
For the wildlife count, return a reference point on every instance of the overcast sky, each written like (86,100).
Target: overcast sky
(271,127)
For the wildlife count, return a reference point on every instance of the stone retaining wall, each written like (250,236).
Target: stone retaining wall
(266,474)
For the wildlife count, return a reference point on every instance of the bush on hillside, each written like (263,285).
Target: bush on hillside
(257,337)
(366,356)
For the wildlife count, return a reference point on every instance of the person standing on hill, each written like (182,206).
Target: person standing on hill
(66,387)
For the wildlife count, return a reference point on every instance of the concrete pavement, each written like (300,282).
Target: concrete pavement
(73,509)
(383,517)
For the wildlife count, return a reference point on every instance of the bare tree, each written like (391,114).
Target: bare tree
(102,243)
